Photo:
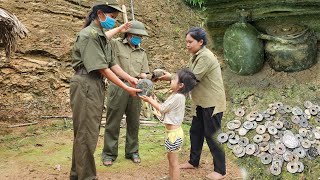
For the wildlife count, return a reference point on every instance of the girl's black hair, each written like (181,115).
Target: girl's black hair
(198,34)
(189,80)
(93,14)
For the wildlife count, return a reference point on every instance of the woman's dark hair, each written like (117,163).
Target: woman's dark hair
(93,14)
(198,34)
(189,80)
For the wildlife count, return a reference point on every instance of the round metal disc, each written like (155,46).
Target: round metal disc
(272,148)
(299,137)
(287,124)
(242,131)
(310,136)
(261,129)
(297,111)
(316,133)
(265,137)
(257,152)
(272,130)
(306,143)
(277,162)
(295,119)
(230,146)
(304,123)
(264,146)
(317,121)
(239,112)
(307,111)
(303,132)
(234,140)
(248,125)
(241,154)
(259,118)
(233,124)
(313,111)
(313,152)
(280,148)
(278,124)
(277,157)
(266,158)
(223,137)
(288,156)
(307,104)
(301,166)
(255,124)
(292,167)
(275,170)
(287,109)
(237,149)
(257,138)
(250,117)
(231,134)
(300,152)
(290,140)
(250,149)
(281,110)
(278,104)
(243,141)
(271,112)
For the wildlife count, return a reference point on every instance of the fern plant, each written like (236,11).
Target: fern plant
(198,3)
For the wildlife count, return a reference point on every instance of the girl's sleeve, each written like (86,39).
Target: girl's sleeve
(169,104)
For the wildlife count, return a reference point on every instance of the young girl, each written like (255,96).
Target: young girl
(172,113)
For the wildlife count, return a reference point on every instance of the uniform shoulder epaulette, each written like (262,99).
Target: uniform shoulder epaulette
(93,32)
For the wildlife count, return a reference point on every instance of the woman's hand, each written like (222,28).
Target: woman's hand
(166,77)
(124,27)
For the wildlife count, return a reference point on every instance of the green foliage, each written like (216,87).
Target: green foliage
(196,3)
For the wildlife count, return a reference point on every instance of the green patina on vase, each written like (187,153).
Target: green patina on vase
(290,47)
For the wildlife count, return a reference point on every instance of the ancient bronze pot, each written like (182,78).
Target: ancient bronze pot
(290,47)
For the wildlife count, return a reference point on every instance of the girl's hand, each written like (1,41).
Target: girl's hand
(145,98)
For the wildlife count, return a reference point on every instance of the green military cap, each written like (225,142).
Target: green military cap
(112,3)
(137,27)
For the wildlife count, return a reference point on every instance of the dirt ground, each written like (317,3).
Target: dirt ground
(35,82)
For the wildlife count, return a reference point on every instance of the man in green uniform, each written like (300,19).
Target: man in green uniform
(92,60)
(133,60)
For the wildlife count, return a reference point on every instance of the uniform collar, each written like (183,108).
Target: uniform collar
(97,28)
(201,50)
(196,54)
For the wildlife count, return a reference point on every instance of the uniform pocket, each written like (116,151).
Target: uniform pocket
(113,93)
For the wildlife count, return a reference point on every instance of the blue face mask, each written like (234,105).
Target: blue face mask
(109,23)
(135,40)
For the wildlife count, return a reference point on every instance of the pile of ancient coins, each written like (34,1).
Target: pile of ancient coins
(281,135)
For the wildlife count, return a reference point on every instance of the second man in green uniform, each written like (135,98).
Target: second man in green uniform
(133,60)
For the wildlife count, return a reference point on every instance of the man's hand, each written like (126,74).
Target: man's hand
(132,81)
(132,91)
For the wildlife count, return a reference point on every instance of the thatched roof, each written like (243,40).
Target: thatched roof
(10,29)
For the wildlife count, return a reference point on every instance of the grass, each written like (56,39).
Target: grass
(49,146)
